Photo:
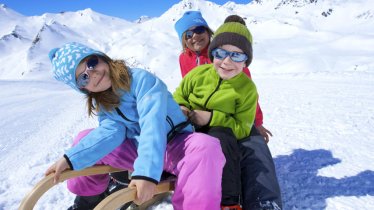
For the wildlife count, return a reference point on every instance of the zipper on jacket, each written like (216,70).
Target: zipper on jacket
(122,115)
(175,129)
(197,58)
(215,90)
(170,121)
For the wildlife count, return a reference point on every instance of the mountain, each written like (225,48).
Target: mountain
(275,19)
(34,36)
(8,14)
(313,68)
(142,19)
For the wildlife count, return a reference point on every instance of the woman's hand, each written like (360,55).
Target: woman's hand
(144,190)
(199,117)
(57,168)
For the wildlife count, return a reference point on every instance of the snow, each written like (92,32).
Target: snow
(314,75)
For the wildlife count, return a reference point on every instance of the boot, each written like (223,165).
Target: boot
(87,202)
(233,207)
(118,181)
(266,205)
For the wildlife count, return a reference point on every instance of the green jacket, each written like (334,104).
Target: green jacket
(232,102)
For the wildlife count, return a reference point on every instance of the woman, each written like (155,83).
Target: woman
(136,116)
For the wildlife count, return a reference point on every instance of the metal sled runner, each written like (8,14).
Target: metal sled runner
(113,201)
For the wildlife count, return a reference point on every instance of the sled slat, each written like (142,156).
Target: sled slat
(46,183)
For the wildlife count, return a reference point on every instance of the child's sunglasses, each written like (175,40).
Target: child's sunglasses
(234,56)
(84,78)
(197,30)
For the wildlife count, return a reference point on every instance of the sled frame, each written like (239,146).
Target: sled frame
(113,201)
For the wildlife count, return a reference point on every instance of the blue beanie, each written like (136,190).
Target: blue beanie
(66,59)
(188,20)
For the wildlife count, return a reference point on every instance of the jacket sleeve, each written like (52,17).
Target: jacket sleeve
(242,121)
(181,93)
(97,144)
(259,117)
(151,97)
(247,72)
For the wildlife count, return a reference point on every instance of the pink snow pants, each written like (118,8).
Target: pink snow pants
(195,158)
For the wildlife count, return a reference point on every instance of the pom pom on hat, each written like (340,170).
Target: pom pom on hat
(188,20)
(66,59)
(233,33)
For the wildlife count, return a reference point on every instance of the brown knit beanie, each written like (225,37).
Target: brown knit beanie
(233,33)
(234,18)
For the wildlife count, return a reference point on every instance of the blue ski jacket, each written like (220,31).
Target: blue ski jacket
(146,107)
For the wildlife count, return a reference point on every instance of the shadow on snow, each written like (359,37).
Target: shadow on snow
(302,188)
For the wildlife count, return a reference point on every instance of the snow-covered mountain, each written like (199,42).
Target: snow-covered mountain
(316,24)
(313,66)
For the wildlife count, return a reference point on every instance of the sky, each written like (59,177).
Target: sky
(128,10)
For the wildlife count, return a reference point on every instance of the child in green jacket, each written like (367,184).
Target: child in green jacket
(220,100)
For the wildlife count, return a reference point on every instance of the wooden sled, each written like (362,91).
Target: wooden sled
(113,201)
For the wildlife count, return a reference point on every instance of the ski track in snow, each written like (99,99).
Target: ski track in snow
(321,124)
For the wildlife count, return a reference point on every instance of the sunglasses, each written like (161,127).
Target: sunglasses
(197,30)
(234,56)
(84,78)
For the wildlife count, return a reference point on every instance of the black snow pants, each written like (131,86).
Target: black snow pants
(260,185)
(231,186)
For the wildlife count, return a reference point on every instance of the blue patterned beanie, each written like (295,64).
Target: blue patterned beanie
(188,20)
(66,59)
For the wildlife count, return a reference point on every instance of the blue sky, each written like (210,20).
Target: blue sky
(126,9)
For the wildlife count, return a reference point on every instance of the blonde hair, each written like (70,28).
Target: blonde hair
(110,98)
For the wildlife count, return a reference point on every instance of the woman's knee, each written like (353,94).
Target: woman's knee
(81,135)
(205,144)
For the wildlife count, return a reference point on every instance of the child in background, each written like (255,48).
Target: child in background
(136,114)
(194,34)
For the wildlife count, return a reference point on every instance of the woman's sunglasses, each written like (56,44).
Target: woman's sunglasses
(84,78)
(234,56)
(197,30)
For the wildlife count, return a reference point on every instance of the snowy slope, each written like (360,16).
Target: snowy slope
(313,67)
